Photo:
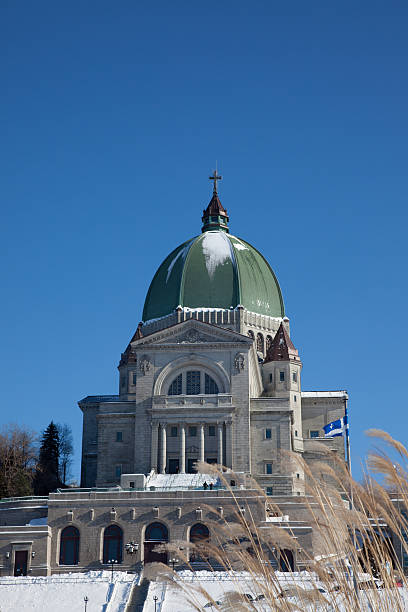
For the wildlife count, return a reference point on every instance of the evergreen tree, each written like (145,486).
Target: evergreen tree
(47,476)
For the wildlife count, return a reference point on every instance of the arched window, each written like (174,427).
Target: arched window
(268,343)
(112,544)
(200,536)
(260,343)
(193,382)
(69,546)
(251,334)
(175,387)
(156,532)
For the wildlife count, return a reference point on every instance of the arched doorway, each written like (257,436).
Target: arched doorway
(155,534)
(113,544)
(69,546)
(286,561)
(199,535)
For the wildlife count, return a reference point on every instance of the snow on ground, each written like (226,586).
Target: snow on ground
(218,584)
(66,592)
(38,521)
(175,481)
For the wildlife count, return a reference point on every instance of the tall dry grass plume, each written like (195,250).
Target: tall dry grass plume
(357,542)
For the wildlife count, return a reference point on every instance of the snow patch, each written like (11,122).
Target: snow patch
(216,250)
(181,254)
(38,521)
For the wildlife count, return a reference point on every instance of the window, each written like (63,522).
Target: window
(69,546)
(270,378)
(156,532)
(211,430)
(132,484)
(297,475)
(268,434)
(296,433)
(192,432)
(134,378)
(119,436)
(314,433)
(260,343)
(294,398)
(294,376)
(112,544)
(268,468)
(281,376)
(251,334)
(175,387)
(268,343)
(118,471)
(193,382)
(173,432)
(269,491)
(211,386)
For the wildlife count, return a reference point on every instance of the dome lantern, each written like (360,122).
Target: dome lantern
(215,216)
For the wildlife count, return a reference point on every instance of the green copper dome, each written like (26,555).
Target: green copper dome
(214,270)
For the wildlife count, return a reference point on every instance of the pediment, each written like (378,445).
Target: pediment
(193,333)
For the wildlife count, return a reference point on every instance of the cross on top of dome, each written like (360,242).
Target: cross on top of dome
(215,177)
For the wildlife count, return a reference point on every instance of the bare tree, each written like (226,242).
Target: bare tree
(18,459)
(66,450)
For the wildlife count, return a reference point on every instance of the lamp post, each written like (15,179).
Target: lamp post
(131,548)
(155,598)
(112,563)
(173,561)
(86,601)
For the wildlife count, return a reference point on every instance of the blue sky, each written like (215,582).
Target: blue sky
(112,117)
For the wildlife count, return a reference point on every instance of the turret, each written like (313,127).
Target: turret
(215,215)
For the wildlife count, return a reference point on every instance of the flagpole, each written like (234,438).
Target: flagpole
(346,423)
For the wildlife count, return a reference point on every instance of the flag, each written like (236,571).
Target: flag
(335,428)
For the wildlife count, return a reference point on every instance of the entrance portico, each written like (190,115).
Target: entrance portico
(212,442)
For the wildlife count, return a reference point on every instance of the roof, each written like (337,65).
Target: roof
(214,270)
(282,347)
(342,393)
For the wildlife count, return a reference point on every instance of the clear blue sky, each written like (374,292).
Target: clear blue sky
(112,116)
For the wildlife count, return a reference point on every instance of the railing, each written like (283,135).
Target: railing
(148,489)
(5,500)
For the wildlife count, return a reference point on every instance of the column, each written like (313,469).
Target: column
(154,446)
(182,457)
(163,455)
(219,450)
(201,452)
(228,443)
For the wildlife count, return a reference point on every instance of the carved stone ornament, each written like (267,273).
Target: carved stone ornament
(191,336)
(145,365)
(239,362)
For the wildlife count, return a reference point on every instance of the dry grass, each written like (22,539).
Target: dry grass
(351,525)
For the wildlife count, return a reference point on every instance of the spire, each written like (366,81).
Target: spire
(282,347)
(215,215)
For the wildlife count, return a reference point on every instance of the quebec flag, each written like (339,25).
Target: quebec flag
(335,428)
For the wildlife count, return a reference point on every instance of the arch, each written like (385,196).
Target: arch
(69,546)
(193,382)
(251,334)
(200,536)
(260,343)
(191,362)
(268,342)
(199,533)
(113,544)
(155,534)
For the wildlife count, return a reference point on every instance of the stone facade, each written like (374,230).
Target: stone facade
(215,384)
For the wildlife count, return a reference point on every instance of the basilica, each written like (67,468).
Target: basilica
(211,374)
